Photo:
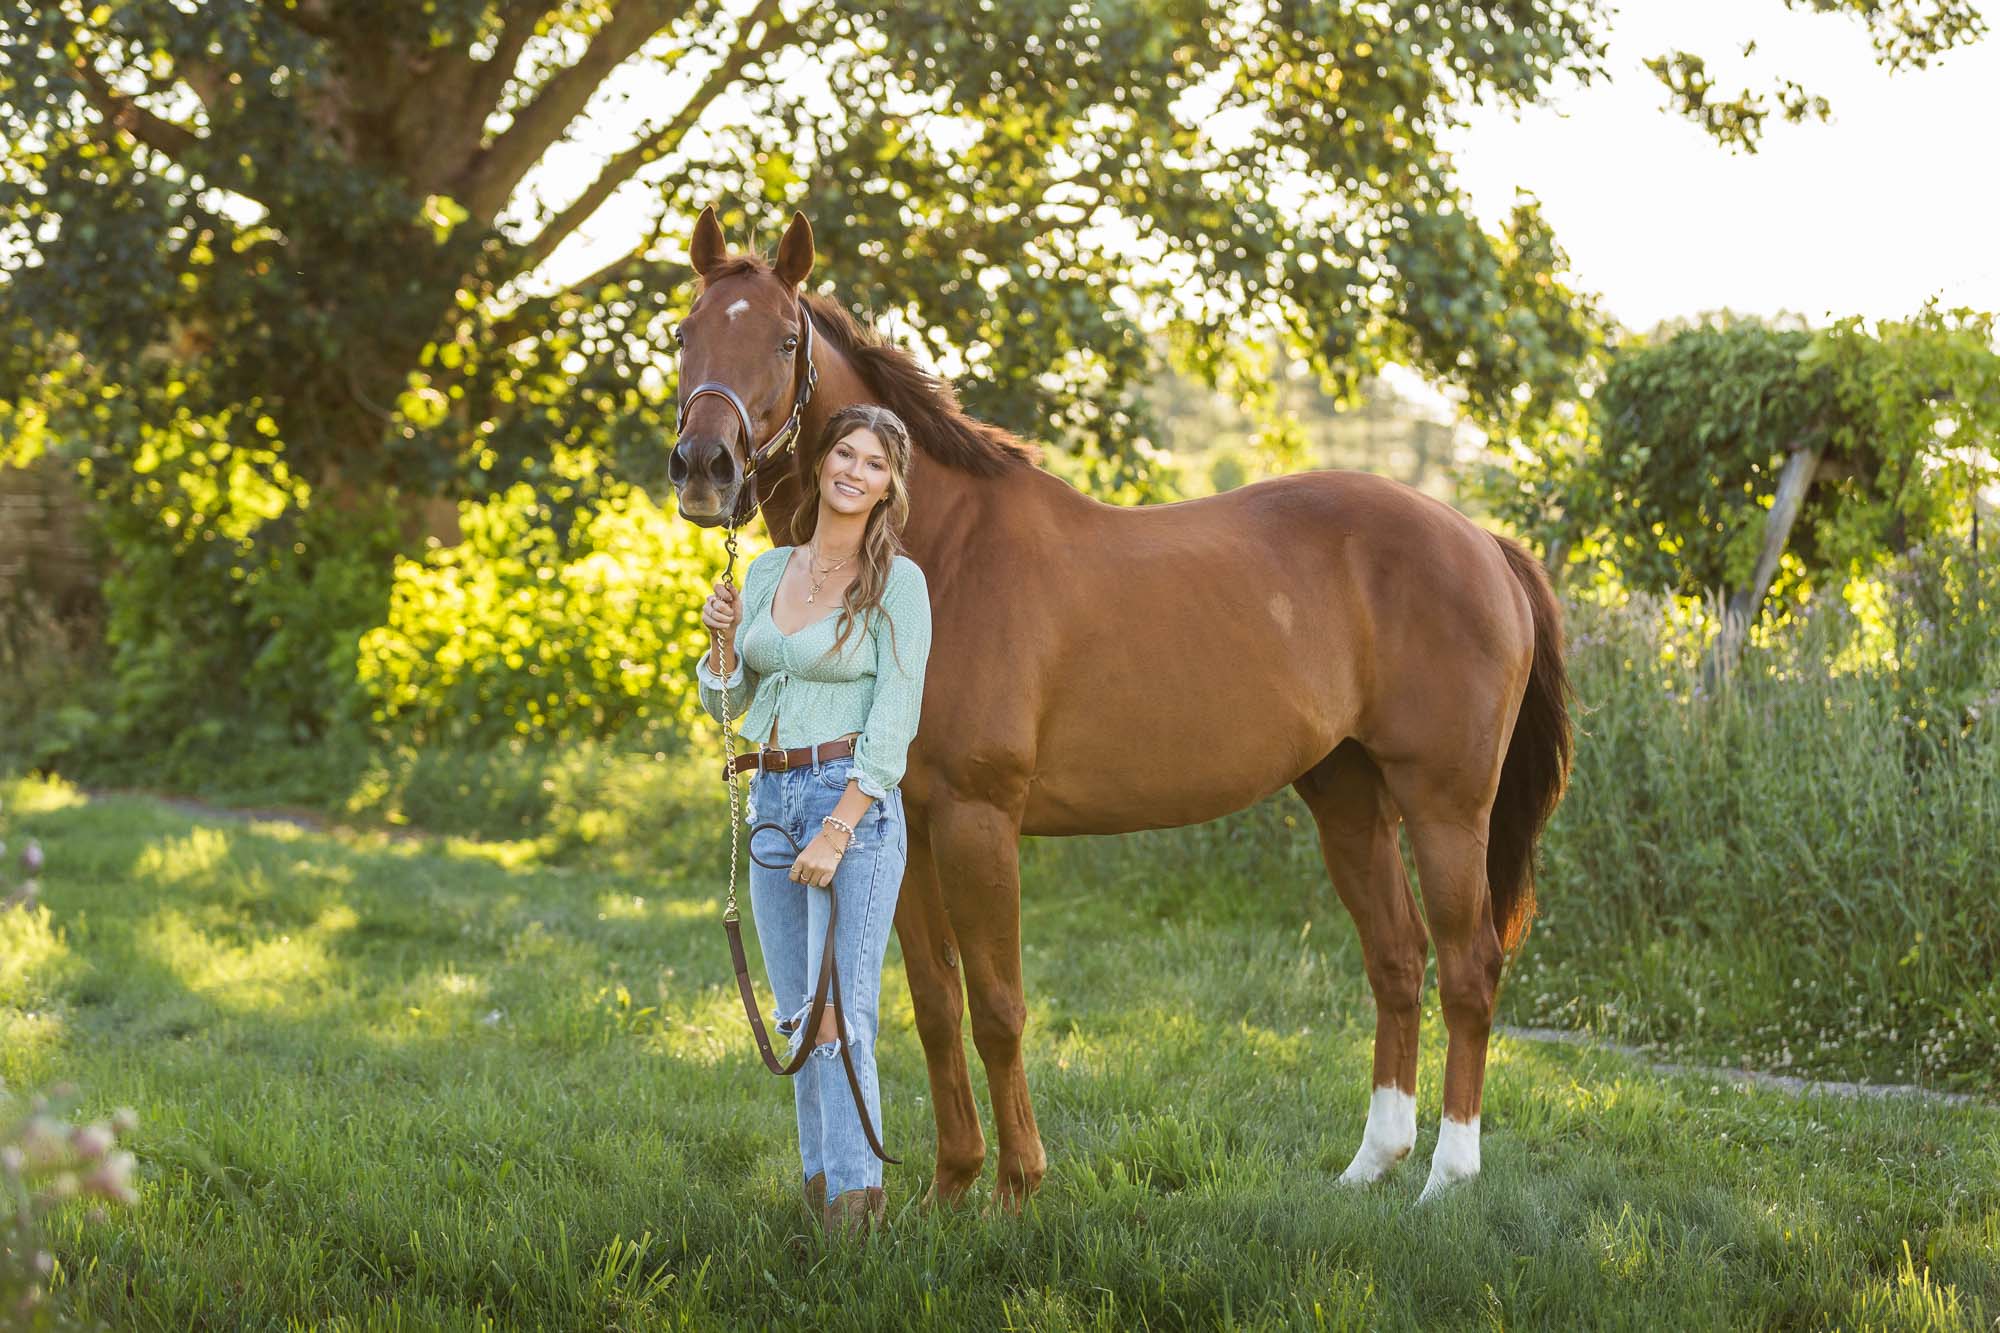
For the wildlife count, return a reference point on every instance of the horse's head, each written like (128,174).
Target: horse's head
(746,371)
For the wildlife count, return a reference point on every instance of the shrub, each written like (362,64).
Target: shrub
(518,632)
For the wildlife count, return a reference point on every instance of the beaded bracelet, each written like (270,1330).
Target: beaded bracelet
(841,824)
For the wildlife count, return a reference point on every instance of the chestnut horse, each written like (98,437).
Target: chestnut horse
(1090,670)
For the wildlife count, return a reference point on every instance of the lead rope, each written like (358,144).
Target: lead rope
(729,912)
(829,966)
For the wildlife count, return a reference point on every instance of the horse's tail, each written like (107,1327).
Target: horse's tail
(1537,763)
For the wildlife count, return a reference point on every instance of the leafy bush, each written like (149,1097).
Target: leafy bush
(50,676)
(1665,480)
(233,597)
(518,632)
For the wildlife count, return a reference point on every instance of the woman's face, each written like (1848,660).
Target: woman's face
(854,476)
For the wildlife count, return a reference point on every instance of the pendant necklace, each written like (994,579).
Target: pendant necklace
(812,554)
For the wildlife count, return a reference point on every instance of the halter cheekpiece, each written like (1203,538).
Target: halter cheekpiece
(758,456)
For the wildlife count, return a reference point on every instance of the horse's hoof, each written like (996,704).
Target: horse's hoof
(1386,1140)
(1456,1158)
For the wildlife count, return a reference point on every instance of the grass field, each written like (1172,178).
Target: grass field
(450,1084)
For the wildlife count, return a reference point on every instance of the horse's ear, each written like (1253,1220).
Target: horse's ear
(795,252)
(708,248)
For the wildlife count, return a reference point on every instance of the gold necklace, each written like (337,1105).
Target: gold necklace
(812,557)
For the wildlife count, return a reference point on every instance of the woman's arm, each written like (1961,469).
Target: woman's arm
(718,665)
(741,680)
(882,750)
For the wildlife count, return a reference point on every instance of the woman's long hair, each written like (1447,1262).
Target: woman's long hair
(881,539)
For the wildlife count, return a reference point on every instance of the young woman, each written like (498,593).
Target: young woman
(836,632)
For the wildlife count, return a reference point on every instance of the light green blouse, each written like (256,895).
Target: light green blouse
(875,686)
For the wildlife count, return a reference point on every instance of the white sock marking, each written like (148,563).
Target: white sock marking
(1456,1158)
(1391,1133)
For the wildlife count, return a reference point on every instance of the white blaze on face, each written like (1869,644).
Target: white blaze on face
(1456,1158)
(737,307)
(1391,1133)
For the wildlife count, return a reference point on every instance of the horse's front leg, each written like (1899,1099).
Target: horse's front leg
(930,958)
(978,859)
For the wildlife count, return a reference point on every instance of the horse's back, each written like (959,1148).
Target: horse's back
(1187,659)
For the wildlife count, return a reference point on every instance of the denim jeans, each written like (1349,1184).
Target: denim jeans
(791,930)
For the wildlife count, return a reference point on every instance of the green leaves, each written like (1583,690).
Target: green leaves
(443,213)
(522,630)
(1906,34)
(1679,461)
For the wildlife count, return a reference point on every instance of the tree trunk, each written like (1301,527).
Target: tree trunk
(1742,609)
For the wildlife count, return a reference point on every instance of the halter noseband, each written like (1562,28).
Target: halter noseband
(757,457)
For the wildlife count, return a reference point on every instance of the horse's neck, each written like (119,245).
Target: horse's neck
(954,515)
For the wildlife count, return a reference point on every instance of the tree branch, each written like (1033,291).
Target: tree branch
(628,163)
(308,16)
(208,81)
(121,112)
(494,173)
(515,30)
(532,315)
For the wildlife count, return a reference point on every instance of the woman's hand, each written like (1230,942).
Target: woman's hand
(821,857)
(720,613)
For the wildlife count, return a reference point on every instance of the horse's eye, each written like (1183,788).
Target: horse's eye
(791,345)
(676,336)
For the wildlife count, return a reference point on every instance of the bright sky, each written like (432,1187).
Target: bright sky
(1892,201)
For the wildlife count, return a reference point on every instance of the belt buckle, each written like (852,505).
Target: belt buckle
(766,754)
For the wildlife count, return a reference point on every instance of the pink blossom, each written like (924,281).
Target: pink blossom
(113,1178)
(91,1141)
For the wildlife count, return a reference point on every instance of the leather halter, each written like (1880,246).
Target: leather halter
(757,456)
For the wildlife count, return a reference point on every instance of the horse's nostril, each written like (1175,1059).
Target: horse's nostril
(721,467)
(677,467)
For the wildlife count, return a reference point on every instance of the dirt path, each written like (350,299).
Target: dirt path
(312,821)
(1798,1087)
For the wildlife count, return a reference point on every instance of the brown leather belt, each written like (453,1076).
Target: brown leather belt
(777,761)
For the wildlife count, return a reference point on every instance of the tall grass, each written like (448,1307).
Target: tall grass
(1799,867)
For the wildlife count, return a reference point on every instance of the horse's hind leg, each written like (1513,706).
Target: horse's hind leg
(1357,839)
(1448,831)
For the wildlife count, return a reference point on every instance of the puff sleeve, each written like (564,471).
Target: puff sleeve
(742,681)
(901,656)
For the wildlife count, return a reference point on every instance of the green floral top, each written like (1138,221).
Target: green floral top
(875,686)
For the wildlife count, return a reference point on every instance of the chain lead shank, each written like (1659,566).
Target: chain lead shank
(729,912)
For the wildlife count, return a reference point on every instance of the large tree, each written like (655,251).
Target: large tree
(301,239)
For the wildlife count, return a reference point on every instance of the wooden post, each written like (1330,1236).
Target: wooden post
(1793,484)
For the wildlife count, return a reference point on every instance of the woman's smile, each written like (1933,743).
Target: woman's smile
(855,474)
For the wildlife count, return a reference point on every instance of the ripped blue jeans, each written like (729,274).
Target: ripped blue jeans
(791,931)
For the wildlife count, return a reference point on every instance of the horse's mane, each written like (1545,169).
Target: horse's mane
(927,403)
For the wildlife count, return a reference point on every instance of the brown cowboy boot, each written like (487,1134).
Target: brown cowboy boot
(816,1195)
(855,1212)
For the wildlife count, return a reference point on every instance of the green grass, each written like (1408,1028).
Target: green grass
(458,1084)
